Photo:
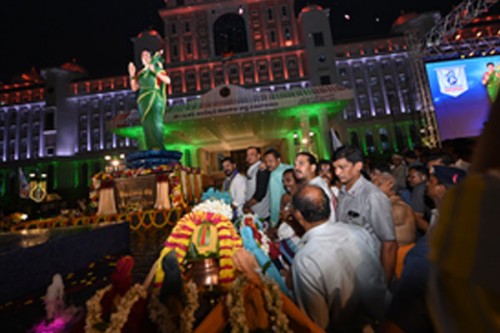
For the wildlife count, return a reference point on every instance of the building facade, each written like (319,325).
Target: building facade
(60,126)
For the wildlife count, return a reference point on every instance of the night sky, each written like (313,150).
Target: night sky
(96,33)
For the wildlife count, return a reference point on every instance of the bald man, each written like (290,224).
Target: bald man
(338,279)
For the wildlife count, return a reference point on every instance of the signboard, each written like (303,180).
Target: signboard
(260,102)
(452,80)
(135,193)
(248,101)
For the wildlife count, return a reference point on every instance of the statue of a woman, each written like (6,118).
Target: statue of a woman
(151,83)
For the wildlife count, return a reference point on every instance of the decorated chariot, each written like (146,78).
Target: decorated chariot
(195,285)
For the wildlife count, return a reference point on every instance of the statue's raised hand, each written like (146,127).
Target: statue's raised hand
(131,69)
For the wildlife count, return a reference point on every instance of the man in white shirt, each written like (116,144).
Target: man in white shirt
(305,173)
(235,183)
(337,277)
(257,198)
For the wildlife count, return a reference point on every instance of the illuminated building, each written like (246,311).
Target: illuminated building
(252,48)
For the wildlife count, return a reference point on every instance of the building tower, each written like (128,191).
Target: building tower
(247,43)
(316,34)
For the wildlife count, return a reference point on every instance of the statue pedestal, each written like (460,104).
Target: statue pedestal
(152,158)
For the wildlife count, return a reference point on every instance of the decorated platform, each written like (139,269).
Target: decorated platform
(197,284)
(161,187)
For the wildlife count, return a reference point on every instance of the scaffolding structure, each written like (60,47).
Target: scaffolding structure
(434,42)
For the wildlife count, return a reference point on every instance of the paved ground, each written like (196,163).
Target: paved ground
(21,315)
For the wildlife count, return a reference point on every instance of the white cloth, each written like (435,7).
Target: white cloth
(338,279)
(285,231)
(261,208)
(162,197)
(321,183)
(107,204)
(237,190)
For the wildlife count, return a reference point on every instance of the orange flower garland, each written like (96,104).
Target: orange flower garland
(229,243)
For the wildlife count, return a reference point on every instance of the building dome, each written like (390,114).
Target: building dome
(72,66)
(415,22)
(310,8)
(403,19)
(151,32)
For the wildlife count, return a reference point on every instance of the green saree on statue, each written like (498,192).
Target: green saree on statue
(151,103)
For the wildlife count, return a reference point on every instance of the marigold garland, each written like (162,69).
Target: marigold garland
(159,314)
(274,306)
(187,316)
(119,318)
(235,302)
(229,243)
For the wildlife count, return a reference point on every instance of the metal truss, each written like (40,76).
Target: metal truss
(459,17)
(435,43)
(427,125)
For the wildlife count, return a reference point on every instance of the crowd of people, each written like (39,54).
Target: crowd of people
(353,233)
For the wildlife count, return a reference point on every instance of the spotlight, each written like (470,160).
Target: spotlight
(241,10)
(295,135)
(347,17)
(311,133)
(107,158)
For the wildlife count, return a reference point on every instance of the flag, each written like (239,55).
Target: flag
(336,143)
(24,186)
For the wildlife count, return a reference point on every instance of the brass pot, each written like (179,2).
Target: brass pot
(204,272)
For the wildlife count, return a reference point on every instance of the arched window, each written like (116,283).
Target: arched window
(370,143)
(354,139)
(415,136)
(400,138)
(384,139)
(230,35)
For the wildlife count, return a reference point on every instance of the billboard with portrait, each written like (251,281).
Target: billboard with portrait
(462,91)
